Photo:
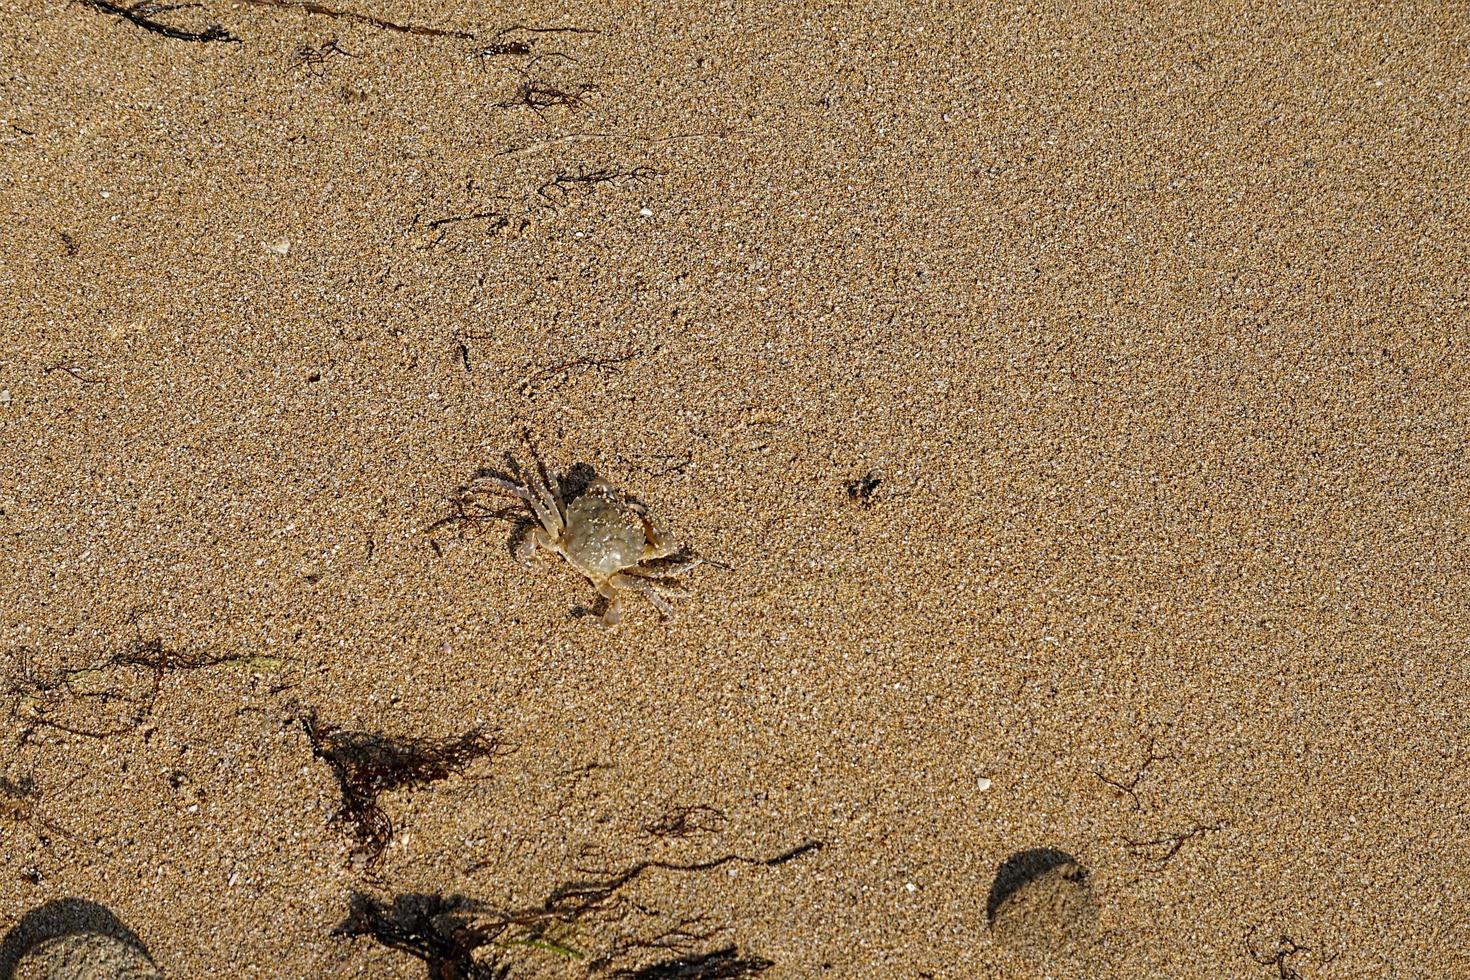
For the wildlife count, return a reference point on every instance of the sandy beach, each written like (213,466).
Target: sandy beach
(1072,410)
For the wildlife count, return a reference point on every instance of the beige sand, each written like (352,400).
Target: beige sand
(1152,326)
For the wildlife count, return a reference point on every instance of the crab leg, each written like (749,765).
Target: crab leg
(544,510)
(660,544)
(535,538)
(546,487)
(552,503)
(561,505)
(648,590)
(666,571)
(614,611)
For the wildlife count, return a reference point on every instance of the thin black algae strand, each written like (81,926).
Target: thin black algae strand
(722,964)
(139,16)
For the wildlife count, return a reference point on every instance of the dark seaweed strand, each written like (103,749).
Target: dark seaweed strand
(136,17)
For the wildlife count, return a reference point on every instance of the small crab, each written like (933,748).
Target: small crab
(603,533)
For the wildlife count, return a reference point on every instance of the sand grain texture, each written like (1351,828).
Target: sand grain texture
(1151,327)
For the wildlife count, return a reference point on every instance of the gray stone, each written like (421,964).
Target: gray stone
(85,956)
(1052,912)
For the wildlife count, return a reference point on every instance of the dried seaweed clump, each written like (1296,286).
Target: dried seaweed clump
(450,934)
(367,765)
(437,929)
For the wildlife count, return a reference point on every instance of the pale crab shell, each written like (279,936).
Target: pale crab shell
(604,533)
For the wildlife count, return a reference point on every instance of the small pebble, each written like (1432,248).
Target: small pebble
(646,212)
(282,247)
(982,784)
(5,397)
